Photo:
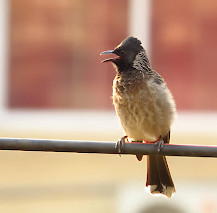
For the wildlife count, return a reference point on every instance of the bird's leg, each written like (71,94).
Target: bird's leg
(120,144)
(159,144)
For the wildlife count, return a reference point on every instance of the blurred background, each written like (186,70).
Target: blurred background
(52,85)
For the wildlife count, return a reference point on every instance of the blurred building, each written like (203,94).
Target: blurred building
(54,51)
(52,85)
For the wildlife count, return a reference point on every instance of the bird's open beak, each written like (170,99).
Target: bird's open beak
(107,52)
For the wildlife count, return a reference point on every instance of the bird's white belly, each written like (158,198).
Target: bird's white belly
(138,122)
(146,115)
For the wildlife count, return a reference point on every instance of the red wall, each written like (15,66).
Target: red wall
(55,46)
(184,50)
(54,52)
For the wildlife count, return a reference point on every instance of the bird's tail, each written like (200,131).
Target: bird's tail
(158,176)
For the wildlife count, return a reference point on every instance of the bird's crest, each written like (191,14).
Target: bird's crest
(130,41)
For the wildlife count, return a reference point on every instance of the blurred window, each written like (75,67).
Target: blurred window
(54,52)
(184,50)
(55,45)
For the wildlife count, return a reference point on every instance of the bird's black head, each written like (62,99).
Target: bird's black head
(126,52)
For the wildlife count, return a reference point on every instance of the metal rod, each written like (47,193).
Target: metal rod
(105,147)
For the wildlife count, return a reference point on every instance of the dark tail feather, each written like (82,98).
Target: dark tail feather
(139,157)
(158,176)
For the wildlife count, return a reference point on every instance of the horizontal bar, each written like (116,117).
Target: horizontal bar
(105,147)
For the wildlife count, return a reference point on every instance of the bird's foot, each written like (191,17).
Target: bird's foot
(159,144)
(120,145)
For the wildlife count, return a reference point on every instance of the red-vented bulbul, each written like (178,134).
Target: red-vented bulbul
(145,107)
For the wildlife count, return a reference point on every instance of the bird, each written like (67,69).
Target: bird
(145,107)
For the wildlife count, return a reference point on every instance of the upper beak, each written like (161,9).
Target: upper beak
(107,52)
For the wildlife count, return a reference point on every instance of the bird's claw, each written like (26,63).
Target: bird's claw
(120,145)
(159,144)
